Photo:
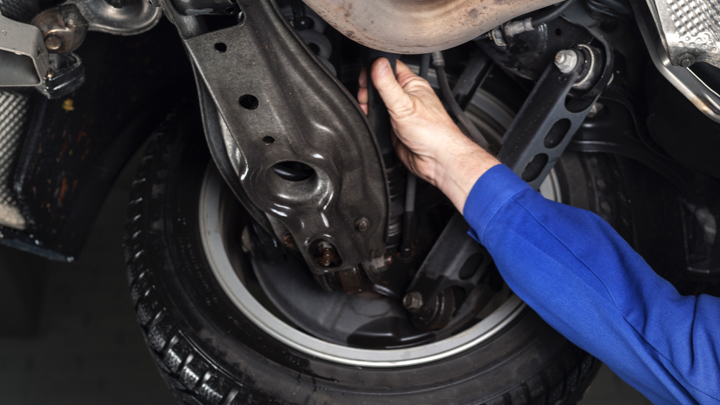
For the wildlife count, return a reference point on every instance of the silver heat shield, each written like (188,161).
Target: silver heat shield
(14,113)
(689,29)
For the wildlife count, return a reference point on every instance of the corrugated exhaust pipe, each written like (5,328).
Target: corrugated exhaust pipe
(419,26)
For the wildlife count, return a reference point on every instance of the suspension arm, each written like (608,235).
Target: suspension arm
(544,126)
(297,143)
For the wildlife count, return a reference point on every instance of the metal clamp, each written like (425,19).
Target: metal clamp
(23,56)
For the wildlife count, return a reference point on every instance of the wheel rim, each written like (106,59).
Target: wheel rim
(228,274)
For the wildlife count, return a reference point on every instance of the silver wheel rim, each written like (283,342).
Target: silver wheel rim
(214,246)
(227,276)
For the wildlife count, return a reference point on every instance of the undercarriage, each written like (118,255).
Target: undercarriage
(278,249)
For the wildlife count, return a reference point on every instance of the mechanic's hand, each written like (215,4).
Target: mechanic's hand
(425,137)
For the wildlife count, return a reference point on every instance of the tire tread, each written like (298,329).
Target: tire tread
(195,379)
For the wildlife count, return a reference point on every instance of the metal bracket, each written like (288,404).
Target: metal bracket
(66,75)
(23,56)
(134,18)
(298,143)
(689,30)
(703,97)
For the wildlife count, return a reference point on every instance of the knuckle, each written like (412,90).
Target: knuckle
(403,110)
(417,83)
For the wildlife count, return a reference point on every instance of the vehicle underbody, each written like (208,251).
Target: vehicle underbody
(278,250)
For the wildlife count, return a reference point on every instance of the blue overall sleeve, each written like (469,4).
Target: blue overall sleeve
(584,280)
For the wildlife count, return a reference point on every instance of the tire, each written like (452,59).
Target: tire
(210,352)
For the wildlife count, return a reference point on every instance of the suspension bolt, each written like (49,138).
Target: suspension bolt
(288,240)
(412,301)
(378,264)
(328,256)
(302,23)
(566,60)
(362,224)
(687,60)
(53,43)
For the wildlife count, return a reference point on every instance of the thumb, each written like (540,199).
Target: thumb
(394,96)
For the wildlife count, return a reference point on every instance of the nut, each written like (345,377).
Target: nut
(412,301)
(362,224)
(566,60)
(687,60)
(595,109)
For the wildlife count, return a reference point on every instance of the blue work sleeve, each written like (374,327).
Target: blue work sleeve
(584,280)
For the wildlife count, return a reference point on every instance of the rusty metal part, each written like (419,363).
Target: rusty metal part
(423,26)
(327,255)
(63,28)
(288,240)
(353,281)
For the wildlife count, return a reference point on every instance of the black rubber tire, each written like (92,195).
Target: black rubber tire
(209,353)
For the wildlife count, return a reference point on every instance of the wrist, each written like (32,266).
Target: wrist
(460,168)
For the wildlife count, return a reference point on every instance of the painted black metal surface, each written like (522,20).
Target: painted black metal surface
(543,127)
(450,273)
(335,316)
(78,144)
(471,78)
(554,111)
(282,110)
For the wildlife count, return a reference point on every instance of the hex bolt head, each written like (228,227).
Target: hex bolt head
(595,109)
(387,259)
(687,60)
(412,301)
(566,60)
(53,43)
(70,21)
(302,23)
(362,224)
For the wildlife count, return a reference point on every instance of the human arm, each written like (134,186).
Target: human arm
(583,279)
(566,263)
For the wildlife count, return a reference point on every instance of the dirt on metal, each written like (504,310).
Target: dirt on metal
(419,26)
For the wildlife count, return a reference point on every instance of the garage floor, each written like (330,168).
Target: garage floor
(89,350)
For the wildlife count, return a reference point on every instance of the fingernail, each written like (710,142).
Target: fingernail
(384,66)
